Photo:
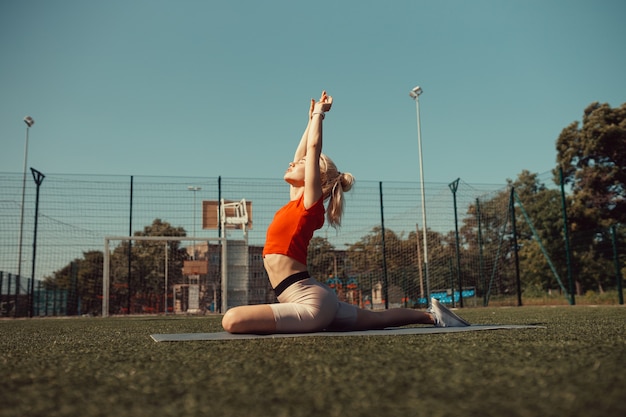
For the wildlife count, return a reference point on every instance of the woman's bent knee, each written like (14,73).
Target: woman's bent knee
(249,319)
(229,320)
(234,321)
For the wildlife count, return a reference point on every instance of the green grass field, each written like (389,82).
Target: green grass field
(110,367)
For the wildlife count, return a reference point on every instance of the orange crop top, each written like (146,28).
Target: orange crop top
(292,229)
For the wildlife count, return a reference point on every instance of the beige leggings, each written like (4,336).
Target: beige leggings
(310,306)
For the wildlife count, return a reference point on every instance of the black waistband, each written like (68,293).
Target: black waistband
(291,279)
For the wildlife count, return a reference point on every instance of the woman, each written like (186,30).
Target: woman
(306,305)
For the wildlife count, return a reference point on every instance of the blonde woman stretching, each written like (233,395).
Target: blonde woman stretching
(306,305)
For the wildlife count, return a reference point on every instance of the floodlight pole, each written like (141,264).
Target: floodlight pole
(414,94)
(29,122)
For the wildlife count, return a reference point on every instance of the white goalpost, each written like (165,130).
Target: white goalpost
(142,270)
(211,262)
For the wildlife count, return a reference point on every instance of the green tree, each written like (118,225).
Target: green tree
(82,279)
(147,273)
(321,258)
(487,255)
(365,260)
(483,242)
(543,207)
(593,162)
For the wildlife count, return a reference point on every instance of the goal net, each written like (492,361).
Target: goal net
(173,275)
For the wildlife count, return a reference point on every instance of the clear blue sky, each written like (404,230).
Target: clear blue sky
(208,88)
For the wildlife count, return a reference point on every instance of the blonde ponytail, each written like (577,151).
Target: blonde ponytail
(334,184)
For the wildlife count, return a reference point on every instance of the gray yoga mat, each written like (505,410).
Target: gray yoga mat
(397,331)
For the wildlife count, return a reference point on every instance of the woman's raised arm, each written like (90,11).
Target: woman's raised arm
(312,179)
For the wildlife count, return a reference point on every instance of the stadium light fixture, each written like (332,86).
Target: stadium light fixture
(416,91)
(414,94)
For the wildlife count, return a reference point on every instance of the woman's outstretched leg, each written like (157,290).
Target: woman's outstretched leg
(372,320)
(437,315)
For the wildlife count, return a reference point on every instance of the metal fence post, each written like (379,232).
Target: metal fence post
(38,177)
(382,226)
(572,298)
(618,272)
(454,186)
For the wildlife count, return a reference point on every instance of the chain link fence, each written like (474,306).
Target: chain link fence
(51,252)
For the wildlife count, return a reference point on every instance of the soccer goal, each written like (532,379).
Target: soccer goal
(173,275)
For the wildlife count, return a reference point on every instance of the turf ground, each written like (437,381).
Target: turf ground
(110,367)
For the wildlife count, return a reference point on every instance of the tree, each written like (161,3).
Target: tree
(593,162)
(82,279)
(487,259)
(484,245)
(543,207)
(321,258)
(147,271)
(365,260)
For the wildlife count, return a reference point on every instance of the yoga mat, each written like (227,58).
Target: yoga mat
(396,331)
